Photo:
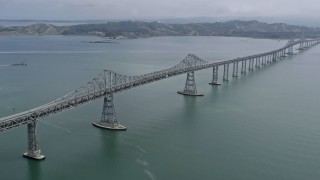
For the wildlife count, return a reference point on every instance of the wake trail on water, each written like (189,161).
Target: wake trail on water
(151,176)
(4,65)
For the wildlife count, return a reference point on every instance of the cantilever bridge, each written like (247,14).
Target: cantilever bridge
(108,82)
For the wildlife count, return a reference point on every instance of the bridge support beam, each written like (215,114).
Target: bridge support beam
(108,117)
(226,72)
(244,67)
(33,147)
(235,69)
(190,88)
(215,76)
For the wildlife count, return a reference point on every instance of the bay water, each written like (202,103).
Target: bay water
(262,125)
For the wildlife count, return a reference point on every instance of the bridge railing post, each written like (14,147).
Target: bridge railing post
(215,72)
(33,151)
(108,117)
(190,88)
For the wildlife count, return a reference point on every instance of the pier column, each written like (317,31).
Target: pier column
(263,61)
(284,53)
(251,61)
(269,60)
(301,46)
(226,72)
(274,57)
(290,50)
(108,117)
(244,67)
(258,62)
(307,44)
(33,145)
(215,76)
(266,59)
(235,69)
(190,88)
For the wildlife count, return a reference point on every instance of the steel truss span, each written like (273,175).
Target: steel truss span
(108,82)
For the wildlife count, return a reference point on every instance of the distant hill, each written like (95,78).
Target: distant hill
(137,29)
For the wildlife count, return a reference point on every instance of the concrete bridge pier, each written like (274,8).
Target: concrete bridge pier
(268,59)
(33,151)
(290,50)
(244,67)
(108,118)
(258,62)
(215,76)
(274,57)
(279,55)
(251,62)
(308,44)
(264,59)
(235,69)
(301,46)
(283,54)
(190,88)
(226,72)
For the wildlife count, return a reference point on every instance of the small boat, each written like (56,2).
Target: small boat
(23,63)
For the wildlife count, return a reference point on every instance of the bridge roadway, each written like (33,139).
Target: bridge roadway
(121,82)
(108,82)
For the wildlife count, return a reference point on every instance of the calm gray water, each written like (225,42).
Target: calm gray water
(264,125)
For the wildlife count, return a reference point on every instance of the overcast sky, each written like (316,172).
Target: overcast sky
(131,9)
